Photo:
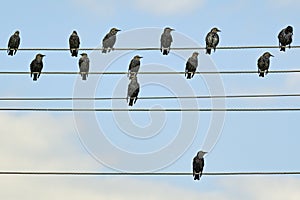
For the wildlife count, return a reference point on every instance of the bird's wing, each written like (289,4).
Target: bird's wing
(80,61)
(10,41)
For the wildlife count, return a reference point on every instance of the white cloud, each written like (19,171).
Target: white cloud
(167,7)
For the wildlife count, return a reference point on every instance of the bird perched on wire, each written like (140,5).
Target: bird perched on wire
(84,65)
(166,40)
(212,40)
(198,164)
(191,65)
(74,43)
(109,40)
(133,91)
(263,64)
(134,66)
(36,66)
(285,37)
(13,43)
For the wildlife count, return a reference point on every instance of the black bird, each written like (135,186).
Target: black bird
(166,40)
(133,91)
(36,66)
(285,37)
(84,65)
(198,164)
(134,66)
(263,64)
(191,65)
(212,40)
(74,43)
(109,40)
(13,43)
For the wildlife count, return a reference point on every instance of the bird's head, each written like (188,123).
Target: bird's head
(268,55)
(84,54)
(289,29)
(74,32)
(168,29)
(195,54)
(114,30)
(17,33)
(200,154)
(137,57)
(215,30)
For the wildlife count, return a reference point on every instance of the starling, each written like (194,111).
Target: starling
(198,164)
(285,37)
(84,65)
(212,40)
(74,43)
(166,40)
(263,64)
(191,65)
(36,66)
(13,43)
(134,66)
(133,91)
(109,40)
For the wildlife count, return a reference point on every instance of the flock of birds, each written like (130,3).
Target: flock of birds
(108,42)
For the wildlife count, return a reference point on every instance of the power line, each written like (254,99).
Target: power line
(153,73)
(154,48)
(54,173)
(145,98)
(151,109)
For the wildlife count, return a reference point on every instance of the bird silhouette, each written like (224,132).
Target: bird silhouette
(191,65)
(84,65)
(13,43)
(36,66)
(285,37)
(134,66)
(109,40)
(74,43)
(198,165)
(133,91)
(263,64)
(212,40)
(166,40)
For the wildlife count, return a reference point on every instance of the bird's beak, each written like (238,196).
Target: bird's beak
(272,55)
(118,30)
(140,57)
(172,29)
(218,30)
(43,55)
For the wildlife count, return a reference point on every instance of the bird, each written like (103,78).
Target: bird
(13,43)
(191,65)
(74,43)
(166,40)
(84,65)
(134,66)
(36,66)
(212,40)
(198,164)
(285,37)
(133,91)
(263,64)
(109,40)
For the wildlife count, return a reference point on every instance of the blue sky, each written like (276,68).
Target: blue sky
(50,141)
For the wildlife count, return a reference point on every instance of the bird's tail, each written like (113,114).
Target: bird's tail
(35,76)
(84,76)
(197,177)
(74,52)
(189,75)
(282,48)
(131,102)
(208,51)
(261,74)
(10,52)
(165,52)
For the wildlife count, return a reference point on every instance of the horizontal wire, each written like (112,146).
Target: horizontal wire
(52,173)
(166,73)
(152,48)
(145,98)
(151,109)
